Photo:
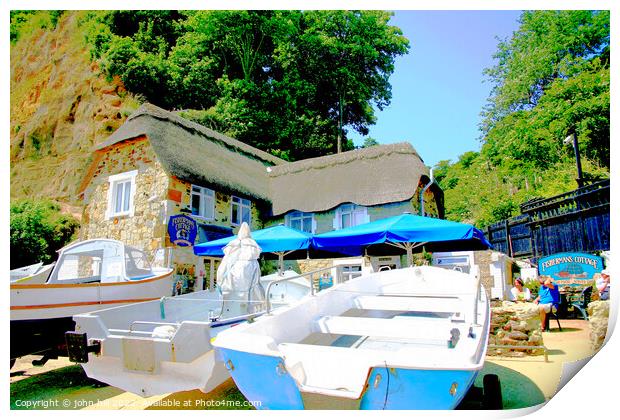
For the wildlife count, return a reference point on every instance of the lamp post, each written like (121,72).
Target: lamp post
(572,138)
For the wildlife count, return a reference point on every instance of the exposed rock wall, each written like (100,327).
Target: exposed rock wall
(515,324)
(60,107)
(598,312)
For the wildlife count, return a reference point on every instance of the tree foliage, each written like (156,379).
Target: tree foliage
(38,230)
(288,82)
(551,78)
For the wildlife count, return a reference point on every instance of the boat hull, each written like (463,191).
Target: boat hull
(403,339)
(386,388)
(42,313)
(47,301)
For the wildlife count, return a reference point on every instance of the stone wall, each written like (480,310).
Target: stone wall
(514,324)
(598,312)
(139,230)
(483,260)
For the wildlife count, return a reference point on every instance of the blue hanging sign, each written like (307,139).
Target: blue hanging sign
(182,230)
(570,268)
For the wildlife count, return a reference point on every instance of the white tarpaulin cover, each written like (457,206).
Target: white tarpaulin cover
(239,273)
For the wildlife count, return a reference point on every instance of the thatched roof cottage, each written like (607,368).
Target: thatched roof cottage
(158,165)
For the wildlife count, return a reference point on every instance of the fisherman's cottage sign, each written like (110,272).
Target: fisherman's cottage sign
(570,268)
(182,230)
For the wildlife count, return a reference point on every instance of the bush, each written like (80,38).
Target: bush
(38,230)
(533,285)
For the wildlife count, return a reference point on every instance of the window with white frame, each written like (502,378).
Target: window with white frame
(349,272)
(120,194)
(349,215)
(301,221)
(241,210)
(203,202)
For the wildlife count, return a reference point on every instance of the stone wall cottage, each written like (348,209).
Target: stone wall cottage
(158,165)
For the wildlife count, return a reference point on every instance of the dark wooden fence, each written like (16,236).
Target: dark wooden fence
(576,221)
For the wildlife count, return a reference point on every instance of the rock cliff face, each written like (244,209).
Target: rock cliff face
(61,106)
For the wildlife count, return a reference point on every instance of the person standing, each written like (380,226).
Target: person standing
(602,284)
(548,299)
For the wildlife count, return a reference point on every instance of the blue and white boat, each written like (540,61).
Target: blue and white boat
(413,338)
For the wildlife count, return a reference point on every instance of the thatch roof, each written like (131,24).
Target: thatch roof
(193,153)
(369,176)
(196,154)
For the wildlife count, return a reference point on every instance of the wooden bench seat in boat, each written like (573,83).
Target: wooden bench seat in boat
(440,304)
(411,329)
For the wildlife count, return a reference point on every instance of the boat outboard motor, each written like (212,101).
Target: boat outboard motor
(238,276)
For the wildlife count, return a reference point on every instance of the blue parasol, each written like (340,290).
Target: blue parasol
(405,231)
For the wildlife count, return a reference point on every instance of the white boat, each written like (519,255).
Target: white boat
(412,338)
(154,348)
(89,275)
(31,274)
(285,288)
(159,347)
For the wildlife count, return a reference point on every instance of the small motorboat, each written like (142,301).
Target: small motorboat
(31,274)
(412,338)
(157,347)
(89,275)
(160,347)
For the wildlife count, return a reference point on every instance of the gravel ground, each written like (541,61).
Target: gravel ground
(525,381)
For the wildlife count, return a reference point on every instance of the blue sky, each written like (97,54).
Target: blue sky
(438,89)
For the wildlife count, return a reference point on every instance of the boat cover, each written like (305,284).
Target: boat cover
(238,275)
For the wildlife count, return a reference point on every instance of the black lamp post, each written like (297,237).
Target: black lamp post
(572,138)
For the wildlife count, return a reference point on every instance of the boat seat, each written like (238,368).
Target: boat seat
(407,328)
(450,305)
(332,370)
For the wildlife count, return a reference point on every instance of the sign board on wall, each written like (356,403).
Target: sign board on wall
(570,268)
(182,230)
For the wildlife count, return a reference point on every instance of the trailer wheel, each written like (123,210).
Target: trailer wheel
(492,393)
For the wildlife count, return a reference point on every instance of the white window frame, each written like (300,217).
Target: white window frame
(355,211)
(301,216)
(341,263)
(240,205)
(114,181)
(204,195)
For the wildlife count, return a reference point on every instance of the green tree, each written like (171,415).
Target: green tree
(551,78)
(369,142)
(288,82)
(348,56)
(38,229)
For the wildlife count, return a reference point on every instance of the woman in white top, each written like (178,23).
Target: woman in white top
(520,293)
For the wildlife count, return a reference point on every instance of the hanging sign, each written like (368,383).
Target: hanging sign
(182,230)
(570,268)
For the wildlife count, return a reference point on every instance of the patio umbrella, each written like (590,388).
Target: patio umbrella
(406,232)
(279,240)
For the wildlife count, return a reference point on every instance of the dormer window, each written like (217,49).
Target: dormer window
(349,215)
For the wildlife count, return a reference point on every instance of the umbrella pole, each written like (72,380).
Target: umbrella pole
(409,247)
(280,263)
